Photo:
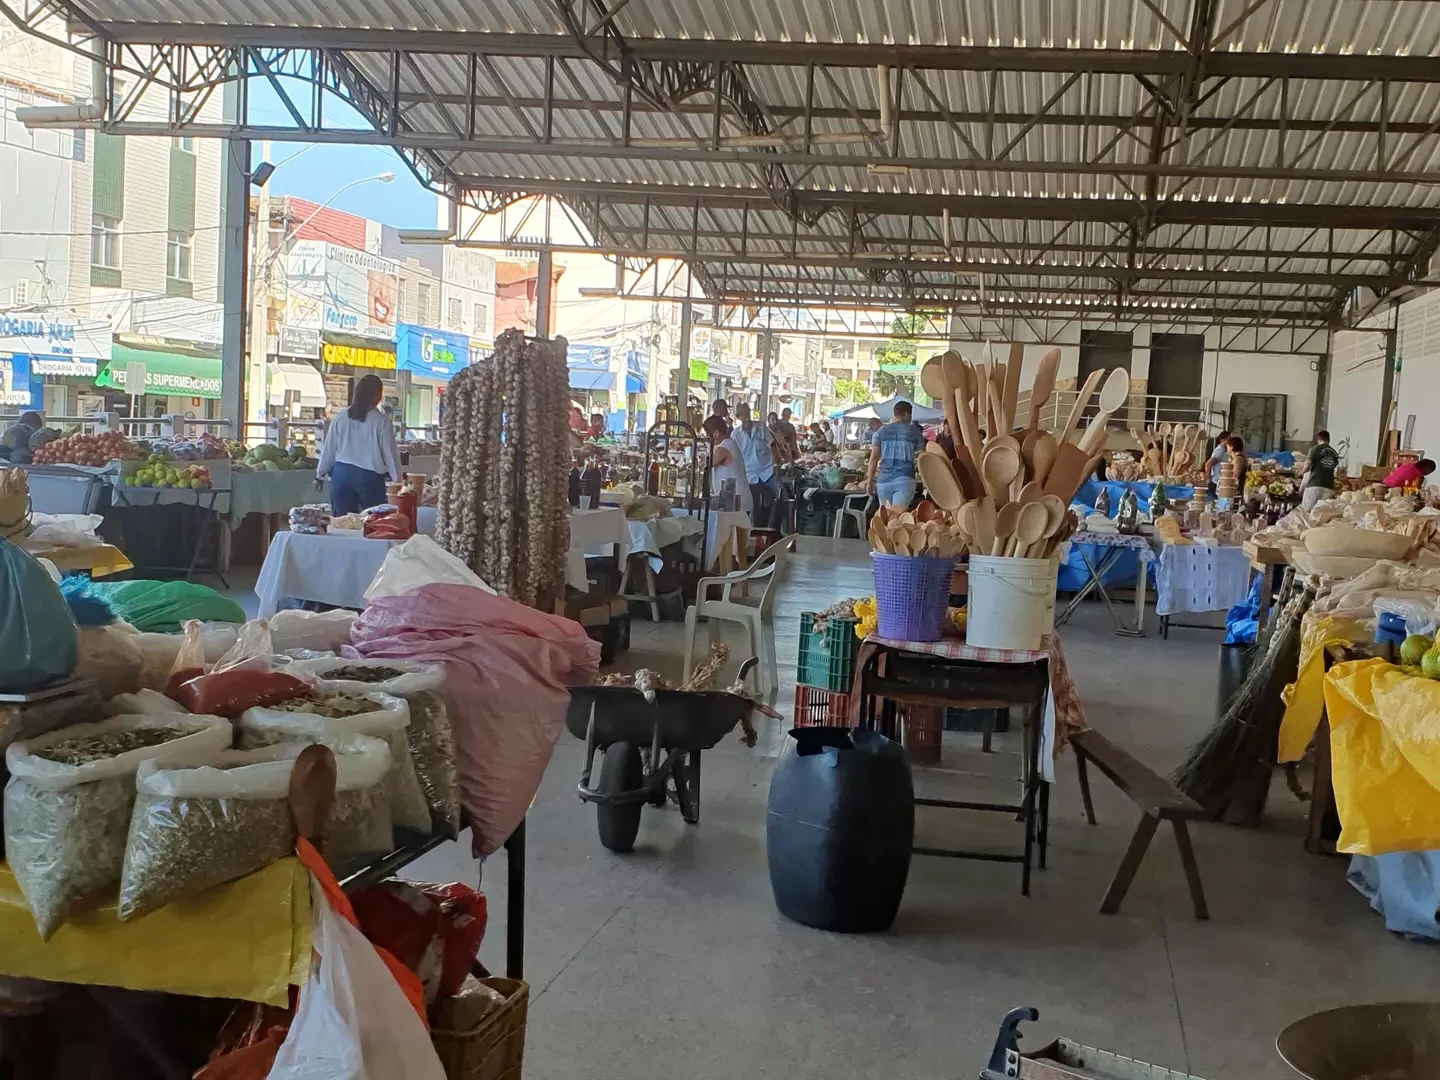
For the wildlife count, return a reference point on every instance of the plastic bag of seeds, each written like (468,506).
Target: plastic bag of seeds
(195,827)
(69,797)
(325,715)
(399,677)
(433,750)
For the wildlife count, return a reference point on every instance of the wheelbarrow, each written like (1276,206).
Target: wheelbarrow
(648,750)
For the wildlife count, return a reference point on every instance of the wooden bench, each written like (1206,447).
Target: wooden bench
(1158,800)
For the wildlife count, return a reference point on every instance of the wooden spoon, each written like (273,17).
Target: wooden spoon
(967,522)
(1046,448)
(969,425)
(1011,393)
(312,790)
(953,365)
(1081,400)
(1043,386)
(1167,448)
(1004,528)
(926,511)
(1112,397)
(941,483)
(985,521)
(1029,527)
(998,468)
(1031,492)
(932,378)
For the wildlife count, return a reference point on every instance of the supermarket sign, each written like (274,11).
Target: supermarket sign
(57,345)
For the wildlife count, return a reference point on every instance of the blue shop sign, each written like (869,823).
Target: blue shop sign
(432,353)
(19,387)
(589,367)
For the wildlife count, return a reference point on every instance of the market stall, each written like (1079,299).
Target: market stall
(172,796)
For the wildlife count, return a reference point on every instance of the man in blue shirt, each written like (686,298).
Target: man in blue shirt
(891,475)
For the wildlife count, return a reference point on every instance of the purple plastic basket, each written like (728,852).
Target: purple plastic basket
(911,594)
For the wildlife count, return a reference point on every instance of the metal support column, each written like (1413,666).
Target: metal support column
(234,270)
(542,296)
(682,373)
(767,359)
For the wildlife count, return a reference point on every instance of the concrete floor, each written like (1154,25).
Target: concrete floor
(673,959)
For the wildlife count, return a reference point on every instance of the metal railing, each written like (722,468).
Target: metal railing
(1139,411)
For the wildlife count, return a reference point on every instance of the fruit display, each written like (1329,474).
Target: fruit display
(92,450)
(159,473)
(267,457)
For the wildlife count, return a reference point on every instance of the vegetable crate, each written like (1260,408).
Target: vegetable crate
(818,707)
(827,659)
(922,725)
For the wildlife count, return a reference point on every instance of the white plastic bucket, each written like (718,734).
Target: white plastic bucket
(1011,602)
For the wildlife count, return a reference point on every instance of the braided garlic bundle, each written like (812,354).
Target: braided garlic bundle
(504,464)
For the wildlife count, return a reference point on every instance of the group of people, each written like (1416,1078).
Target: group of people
(745,453)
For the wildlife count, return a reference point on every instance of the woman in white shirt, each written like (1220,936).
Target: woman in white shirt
(726,463)
(359,452)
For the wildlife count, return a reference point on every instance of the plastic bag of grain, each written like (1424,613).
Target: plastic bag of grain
(384,717)
(196,826)
(69,797)
(431,743)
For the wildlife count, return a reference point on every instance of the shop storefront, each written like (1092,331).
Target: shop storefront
(427,359)
(591,380)
(637,379)
(297,388)
(48,363)
(181,378)
(345,359)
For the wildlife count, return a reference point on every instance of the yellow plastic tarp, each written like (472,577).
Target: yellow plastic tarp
(1305,697)
(1384,757)
(248,939)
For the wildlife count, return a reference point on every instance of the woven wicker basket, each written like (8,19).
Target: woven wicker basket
(14,515)
(495,1048)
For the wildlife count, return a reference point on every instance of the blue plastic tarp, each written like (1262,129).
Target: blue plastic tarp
(1242,622)
(1403,887)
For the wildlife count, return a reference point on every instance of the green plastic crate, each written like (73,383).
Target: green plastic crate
(827,660)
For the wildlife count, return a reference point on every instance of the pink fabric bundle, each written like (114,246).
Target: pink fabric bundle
(507,667)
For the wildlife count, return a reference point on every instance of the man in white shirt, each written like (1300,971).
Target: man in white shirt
(753,438)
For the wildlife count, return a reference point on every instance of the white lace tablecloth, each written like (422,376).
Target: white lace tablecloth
(1200,577)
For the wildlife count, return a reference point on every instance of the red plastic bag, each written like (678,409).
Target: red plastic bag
(434,930)
(389,526)
(229,693)
(190,660)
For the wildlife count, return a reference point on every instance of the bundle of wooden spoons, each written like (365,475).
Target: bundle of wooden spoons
(997,465)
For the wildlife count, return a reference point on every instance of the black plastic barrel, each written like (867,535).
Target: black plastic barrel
(839,830)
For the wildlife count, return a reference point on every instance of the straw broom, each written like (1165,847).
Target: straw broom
(1229,770)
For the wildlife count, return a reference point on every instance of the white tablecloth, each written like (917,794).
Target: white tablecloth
(648,537)
(1200,577)
(595,532)
(718,531)
(333,568)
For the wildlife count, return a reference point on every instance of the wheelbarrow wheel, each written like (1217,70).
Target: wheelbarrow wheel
(687,787)
(620,771)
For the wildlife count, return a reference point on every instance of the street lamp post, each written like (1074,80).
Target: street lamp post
(257,399)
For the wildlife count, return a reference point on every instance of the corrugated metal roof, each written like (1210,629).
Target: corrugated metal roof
(1292,141)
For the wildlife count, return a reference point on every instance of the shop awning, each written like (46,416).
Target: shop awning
(182,373)
(581,379)
(634,384)
(304,379)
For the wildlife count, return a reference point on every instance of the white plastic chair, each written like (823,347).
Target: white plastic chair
(853,507)
(753,613)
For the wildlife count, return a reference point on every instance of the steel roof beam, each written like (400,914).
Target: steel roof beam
(1152,62)
(1002,207)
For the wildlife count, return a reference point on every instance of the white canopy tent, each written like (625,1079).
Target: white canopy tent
(884,410)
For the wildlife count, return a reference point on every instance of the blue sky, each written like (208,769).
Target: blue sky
(322,170)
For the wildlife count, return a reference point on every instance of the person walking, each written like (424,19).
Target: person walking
(753,439)
(359,451)
(1320,473)
(891,472)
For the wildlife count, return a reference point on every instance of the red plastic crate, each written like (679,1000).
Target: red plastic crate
(817,707)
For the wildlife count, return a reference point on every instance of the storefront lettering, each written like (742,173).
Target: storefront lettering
(357,356)
(10,326)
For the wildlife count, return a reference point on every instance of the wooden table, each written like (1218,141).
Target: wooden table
(1263,558)
(950,673)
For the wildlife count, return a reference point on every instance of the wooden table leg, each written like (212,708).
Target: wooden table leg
(1134,855)
(1192,868)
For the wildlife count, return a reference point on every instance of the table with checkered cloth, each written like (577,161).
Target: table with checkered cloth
(1064,715)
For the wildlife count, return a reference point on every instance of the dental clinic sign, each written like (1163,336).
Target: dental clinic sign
(56,345)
